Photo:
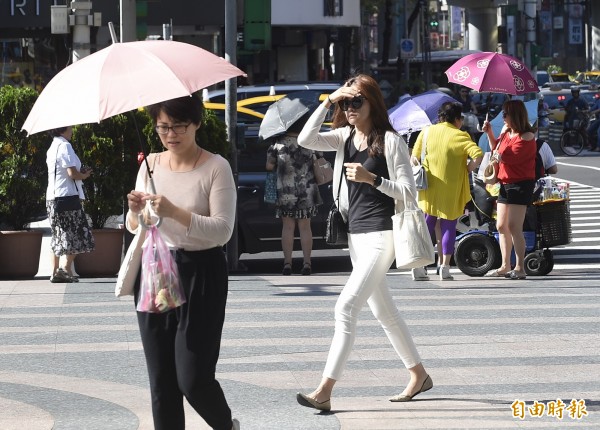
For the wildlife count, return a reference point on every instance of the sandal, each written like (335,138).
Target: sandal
(61,277)
(306,269)
(513,274)
(287,269)
(495,274)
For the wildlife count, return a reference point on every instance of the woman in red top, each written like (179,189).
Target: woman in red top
(516,149)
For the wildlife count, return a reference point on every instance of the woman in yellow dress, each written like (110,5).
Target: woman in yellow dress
(447,150)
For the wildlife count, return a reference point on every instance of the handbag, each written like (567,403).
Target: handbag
(67,203)
(336,232)
(322,170)
(412,241)
(419,172)
(130,265)
(420,176)
(271,187)
(490,174)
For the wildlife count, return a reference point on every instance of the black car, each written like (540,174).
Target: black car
(258,229)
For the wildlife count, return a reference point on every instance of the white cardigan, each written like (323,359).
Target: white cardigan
(400,186)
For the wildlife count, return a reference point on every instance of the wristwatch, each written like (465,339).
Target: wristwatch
(377,182)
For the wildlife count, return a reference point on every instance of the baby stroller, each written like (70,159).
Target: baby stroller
(547,224)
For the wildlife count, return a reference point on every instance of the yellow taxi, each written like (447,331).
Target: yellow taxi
(252,109)
(588,77)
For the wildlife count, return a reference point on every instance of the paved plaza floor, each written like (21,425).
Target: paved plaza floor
(502,354)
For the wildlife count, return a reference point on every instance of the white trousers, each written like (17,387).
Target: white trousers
(372,255)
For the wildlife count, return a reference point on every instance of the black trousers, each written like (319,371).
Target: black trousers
(182,346)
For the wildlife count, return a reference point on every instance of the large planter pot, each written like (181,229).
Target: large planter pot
(20,251)
(105,260)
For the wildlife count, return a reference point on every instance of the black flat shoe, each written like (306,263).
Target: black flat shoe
(427,385)
(306,269)
(309,402)
(287,269)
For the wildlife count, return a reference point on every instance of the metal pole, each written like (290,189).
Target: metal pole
(128,21)
(81,29)
(231,117)
(530,13)
(406,36)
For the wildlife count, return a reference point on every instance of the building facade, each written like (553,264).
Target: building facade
(307,40)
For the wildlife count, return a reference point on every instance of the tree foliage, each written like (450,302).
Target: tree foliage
(23,171)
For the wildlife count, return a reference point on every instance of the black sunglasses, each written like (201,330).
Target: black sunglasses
(355,102)
(504,114)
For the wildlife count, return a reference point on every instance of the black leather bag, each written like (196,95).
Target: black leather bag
(337,231)
(67,203)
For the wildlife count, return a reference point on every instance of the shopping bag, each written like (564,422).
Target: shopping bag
(412,242)
(130,265)
(160,289)
(271,188)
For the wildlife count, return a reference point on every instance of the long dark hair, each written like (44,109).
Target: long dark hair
(369,89)
(517,112)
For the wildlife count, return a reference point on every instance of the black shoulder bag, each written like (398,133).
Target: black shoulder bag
(65,203)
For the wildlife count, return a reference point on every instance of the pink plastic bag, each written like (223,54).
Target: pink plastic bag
(160,289)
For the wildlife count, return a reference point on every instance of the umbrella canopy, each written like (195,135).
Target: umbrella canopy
(415,113)
(493,72)
(282,114)
(498,122)
(123,77)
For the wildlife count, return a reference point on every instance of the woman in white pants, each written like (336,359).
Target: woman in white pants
(377,171)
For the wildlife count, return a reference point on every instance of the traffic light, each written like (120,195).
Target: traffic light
(434,23)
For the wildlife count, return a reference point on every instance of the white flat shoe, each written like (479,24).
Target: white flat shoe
(419,274)
(445,274)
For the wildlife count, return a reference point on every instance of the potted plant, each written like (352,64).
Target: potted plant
(109,148)
(23,182)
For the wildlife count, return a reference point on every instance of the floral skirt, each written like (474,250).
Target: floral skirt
(71,231)
(296,213)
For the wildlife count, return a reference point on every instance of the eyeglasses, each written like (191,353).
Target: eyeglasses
(355,102)
(177,129)
(504,114)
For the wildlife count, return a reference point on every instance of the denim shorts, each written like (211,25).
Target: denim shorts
(519,193)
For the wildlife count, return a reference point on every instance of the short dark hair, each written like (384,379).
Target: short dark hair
(450,112)
(55,132)
(187,108)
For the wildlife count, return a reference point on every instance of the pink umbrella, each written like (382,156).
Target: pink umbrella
(493,72)
(123,77)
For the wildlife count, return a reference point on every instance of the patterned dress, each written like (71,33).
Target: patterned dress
(297,192)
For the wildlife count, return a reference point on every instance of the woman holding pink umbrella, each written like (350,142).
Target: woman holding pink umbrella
(516,149)
(196,198)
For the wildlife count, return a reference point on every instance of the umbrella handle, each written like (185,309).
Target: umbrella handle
(140,217)
(146,226)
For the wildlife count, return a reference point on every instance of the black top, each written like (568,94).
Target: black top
(369,209)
